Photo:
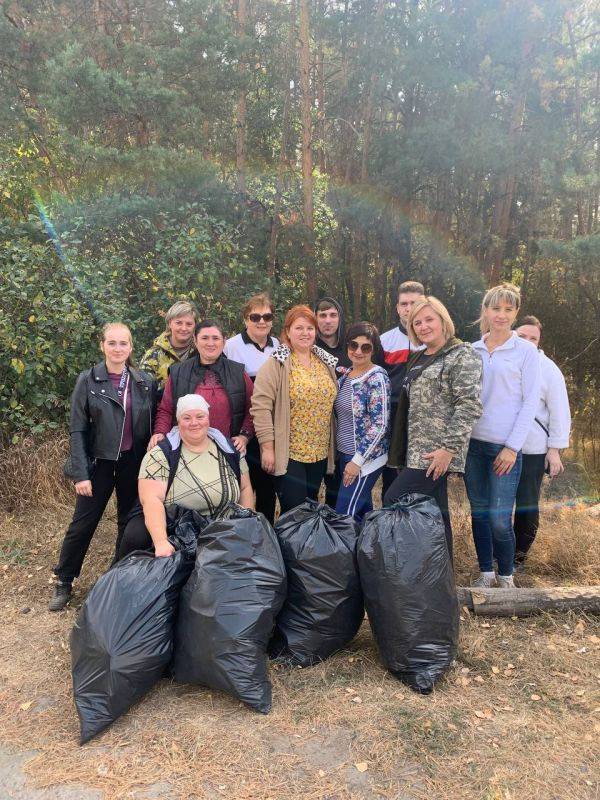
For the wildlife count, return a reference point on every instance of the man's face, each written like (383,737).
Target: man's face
(328,321)
(406,301)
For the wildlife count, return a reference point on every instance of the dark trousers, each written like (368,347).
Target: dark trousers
(135,537)
(108,476)
(299,482)
(415,480)
(388,476)
(332,486)
(262,482)
(527,511)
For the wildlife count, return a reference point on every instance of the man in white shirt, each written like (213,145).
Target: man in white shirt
(397,347)
(541,450)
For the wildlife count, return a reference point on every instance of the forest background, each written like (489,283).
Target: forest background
(208,149)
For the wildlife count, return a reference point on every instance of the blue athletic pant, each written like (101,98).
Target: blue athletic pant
(356,499)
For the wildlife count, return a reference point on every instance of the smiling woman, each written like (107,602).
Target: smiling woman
(111,420)
(292,409)
(223,383)
(195,467)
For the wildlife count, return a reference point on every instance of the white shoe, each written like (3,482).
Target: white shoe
(486,580)
(506,582)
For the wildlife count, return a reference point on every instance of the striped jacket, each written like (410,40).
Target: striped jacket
(371,394)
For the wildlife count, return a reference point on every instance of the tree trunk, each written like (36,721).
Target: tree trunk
(240,125)
(524,602)
(369,101)
(282,165)
(307,155)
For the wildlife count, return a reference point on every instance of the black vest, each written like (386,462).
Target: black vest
(186,375)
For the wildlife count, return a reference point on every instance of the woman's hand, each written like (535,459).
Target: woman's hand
(439,461)
(163,549)
(351,473)
(553,463)
(267,457)
(240,443)
(504,461)
(84,488)
(154,440)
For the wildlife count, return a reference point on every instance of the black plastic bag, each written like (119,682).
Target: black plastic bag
(228,608)
(324,606)
(122,640)
(408,584)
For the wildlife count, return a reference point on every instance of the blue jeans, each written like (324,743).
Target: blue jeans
(492,499)
(356,499)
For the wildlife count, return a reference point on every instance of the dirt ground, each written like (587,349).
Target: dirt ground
(518,716)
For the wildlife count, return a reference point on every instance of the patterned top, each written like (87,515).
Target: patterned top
(203,482)
(312,395)
(345,419)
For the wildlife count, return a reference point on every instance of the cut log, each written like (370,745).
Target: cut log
(524,602)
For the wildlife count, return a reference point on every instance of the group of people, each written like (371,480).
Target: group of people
(208,420)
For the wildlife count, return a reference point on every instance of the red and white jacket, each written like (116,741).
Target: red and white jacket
(397,347)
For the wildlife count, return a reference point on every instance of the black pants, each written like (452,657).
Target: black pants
(416,480)
(527,510)
(108,476)
(135,537)
(332,486)
(262,483)
(388,476)
(299,482)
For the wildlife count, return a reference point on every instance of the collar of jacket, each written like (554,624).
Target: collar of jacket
(345,371)
(283,352)
(164,343)
(100,373)
(247,340)
(451,344)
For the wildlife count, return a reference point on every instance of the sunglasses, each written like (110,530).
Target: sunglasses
(257,317)
(367,347)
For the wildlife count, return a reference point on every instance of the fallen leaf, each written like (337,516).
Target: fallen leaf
(535,697)
(451,727)
(580,627)
(495,670)
(357,699)
(350,691)
(321,773)
(479,679)
(26,706)
(362,766)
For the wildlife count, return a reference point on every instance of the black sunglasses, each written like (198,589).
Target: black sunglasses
(367,347)
(257,317)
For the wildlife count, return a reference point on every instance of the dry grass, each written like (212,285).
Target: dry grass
(517,717)
(31,475)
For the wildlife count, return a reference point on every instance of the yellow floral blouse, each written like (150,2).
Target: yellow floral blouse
(312,395)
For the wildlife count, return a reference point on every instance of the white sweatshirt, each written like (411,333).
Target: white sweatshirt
(510,392)
(553,412)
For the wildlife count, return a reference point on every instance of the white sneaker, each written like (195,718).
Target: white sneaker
(486,580)
(506,582)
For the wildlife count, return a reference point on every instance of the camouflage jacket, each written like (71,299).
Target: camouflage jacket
(442,405)
(161,356)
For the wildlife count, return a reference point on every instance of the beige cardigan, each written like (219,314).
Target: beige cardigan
(270,407)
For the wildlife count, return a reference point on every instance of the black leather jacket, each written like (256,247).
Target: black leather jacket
(98,418)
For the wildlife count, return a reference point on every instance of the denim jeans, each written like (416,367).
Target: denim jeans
(492,499)
(356,500)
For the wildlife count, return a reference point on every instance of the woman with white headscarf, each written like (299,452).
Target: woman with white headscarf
(193,467)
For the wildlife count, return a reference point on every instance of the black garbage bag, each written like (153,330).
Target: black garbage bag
(408,583)
(324,606)
(122,640)
(228,607)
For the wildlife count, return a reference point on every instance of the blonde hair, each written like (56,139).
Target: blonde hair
(504,293)
(180,309)
(108,326)
(438,308)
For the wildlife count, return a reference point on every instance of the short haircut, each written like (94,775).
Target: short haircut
(325,305)
(504,293)
(369,331)
(438,308)
(208,323)
(257,301)
(411,287)
(294,314)
(530,320)
(181,309)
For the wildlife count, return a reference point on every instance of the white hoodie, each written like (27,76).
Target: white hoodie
(553,412)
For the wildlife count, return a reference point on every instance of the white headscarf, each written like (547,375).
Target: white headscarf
(189,402)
